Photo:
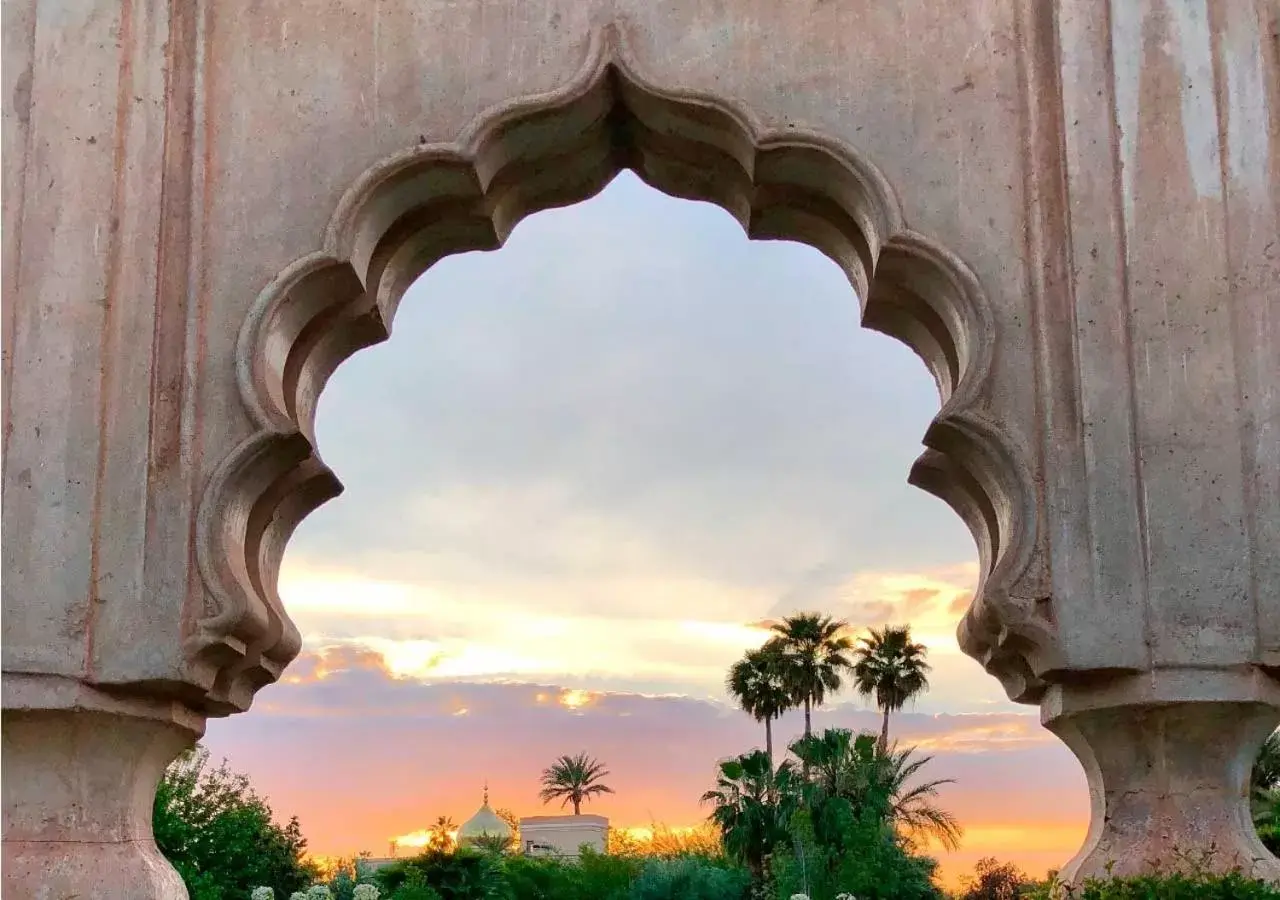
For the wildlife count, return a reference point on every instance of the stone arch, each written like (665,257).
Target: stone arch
(1104,421)
(427,202)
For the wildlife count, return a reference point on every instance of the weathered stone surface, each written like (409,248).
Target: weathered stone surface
(1070,209)
(1168,758)
(78,791)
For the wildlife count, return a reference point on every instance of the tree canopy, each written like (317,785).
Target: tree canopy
(759,683)
(221,835)
(815,656)
(892,669)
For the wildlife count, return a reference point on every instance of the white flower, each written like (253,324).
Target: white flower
(366,892)
(297,895)
(262,893)
(319,892)
(845,897)
(799,897)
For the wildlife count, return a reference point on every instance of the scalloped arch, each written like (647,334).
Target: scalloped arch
(412,209)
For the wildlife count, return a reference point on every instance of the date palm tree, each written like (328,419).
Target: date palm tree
(574,779)
(758,682)
(891,669)
(815,655)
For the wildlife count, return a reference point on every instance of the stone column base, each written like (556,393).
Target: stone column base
(78,790)
(1168,775)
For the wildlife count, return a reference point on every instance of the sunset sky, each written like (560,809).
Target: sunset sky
(581,475)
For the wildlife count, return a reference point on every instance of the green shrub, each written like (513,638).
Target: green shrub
(1196,886)
(450,875)
(994,880)
(607,877)
(602,877)
(1270,834)
(860,856)
(532,878)
(414,887)
(689,878)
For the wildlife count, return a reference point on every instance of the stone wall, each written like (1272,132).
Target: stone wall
(1070,209)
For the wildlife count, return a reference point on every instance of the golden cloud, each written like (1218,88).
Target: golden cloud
(433,634)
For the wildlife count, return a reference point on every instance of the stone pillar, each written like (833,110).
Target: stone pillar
(96,462)
(1168,757)
(1152,642)
(78,787)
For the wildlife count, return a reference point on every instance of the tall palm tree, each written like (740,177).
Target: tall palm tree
(758,682)
(751,821)
(815,654)
(892,669)
(858,771)
(575,779)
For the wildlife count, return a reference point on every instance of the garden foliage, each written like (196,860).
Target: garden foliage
(1165,887)
(845,818)
(994,880)
(470,875)
(221,836)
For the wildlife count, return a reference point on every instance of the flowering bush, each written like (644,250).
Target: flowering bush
(262,893)
(365,892)
(319,892)
(298,895)
(799,897)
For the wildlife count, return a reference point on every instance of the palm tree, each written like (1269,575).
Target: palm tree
(574,778)
(913,809)
(442,835)
(814,650)
(750,820)
(493,843)
(855,769)
(891,669)
(758,683)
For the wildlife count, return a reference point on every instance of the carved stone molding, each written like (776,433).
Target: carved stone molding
(432,200)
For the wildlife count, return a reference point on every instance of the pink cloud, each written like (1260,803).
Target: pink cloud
(361,756)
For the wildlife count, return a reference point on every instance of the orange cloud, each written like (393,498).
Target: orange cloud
(436,634)
(1003,732)
(393,754)
(319,665)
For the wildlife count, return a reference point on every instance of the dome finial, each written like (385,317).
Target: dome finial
(484,822)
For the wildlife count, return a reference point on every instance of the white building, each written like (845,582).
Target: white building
(562,836)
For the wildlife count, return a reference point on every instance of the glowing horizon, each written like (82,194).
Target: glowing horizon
(583,476)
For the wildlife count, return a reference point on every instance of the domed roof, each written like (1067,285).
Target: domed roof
(484,822)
